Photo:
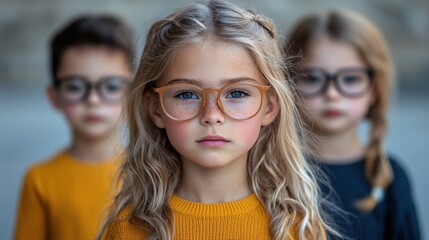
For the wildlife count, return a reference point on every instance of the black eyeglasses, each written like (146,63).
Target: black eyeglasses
(75,89)
(349,82)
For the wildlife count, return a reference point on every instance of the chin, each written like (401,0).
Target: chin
(330,126)
(332,130)
(211,162)
(97,135)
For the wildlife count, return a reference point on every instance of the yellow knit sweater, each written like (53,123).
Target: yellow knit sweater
(64,198)
(242,219)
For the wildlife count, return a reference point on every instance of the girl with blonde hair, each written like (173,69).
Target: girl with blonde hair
(215,140)
(346,77)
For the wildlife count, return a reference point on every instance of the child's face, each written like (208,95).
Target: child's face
(92,117)
(212,139)
(333,112)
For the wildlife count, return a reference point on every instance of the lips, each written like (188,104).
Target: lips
(332,113)
(93,118)
(213,141)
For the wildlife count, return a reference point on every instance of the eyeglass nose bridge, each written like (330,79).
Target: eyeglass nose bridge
(89,87)
(218,102)
(331,78)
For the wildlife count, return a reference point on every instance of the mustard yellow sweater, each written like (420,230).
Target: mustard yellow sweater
(242,219)
(64,198)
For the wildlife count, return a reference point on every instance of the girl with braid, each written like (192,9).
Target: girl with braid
(345,77)
(215,139)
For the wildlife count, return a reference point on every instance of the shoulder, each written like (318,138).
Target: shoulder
(399,193)
(37,181)
(401,180)
(402,214)
(297,219)
(43,169)
(123,227)
(48,164)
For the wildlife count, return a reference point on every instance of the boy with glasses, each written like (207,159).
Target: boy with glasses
(64,197)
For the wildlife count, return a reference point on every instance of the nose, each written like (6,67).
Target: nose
(93,97)
(211,113)
(332,92)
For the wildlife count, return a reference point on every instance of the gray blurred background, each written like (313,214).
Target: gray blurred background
(30,130)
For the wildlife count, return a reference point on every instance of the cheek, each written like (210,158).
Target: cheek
(73,112)
(248,131)
(114,111)
(311,106)
(358,108)
(177,132)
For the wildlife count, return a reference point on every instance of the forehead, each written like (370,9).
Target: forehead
(93,62)
(212,63)
(332,55)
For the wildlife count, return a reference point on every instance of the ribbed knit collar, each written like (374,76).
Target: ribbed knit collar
(238,207)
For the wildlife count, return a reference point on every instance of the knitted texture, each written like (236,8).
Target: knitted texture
(64,198)
(242,219)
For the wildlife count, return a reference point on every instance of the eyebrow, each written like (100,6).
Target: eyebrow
(198,83)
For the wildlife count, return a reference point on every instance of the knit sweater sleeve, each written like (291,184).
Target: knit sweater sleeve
(32,220)
(402,221)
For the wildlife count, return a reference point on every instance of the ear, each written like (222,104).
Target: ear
(272,110)
(155,111)
(53,97)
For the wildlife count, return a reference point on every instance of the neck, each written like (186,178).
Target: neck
(205,185)
(341,147)
(94,150)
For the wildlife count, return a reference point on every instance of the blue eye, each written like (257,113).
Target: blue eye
(312,79)
(113,86)
(74,87)
(187,95)
(351,79)
(237,94)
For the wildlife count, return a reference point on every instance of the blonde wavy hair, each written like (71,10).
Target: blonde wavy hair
(278,173)
(354,29)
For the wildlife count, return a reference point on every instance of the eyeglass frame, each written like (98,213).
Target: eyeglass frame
(160,90)
(334,78)
(89,87)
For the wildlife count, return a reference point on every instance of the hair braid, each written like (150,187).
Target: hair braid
(377,167)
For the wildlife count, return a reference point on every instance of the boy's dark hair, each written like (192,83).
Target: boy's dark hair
(97,30)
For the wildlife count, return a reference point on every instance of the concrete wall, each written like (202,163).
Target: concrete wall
(26,26)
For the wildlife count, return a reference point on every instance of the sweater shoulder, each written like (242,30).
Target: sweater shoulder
(402,214)
(123,227)
(47,164)
(44,168)
(401,181)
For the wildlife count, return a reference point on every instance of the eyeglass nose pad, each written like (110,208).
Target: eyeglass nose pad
(92,95)
(331,89)
(210,99)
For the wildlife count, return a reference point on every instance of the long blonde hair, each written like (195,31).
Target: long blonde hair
(279,174)
(354,29)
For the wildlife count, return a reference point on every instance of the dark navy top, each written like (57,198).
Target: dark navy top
(393,218)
